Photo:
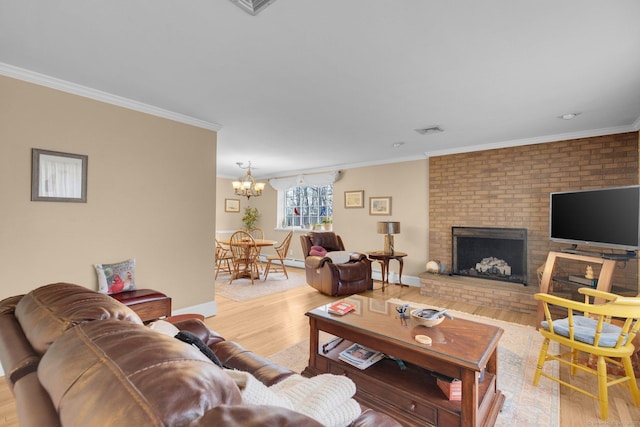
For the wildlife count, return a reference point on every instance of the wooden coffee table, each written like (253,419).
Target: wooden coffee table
(461,349)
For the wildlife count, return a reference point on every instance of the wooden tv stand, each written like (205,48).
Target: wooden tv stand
(461,349)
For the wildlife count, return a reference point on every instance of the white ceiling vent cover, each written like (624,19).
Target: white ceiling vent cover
(432,129)
(252,7)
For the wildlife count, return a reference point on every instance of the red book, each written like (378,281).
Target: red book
(341,307)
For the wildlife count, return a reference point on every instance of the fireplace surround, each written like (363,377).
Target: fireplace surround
(490,253)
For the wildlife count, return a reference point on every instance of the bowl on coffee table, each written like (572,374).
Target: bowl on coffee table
(427,317)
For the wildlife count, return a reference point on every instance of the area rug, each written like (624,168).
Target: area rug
(243,290)
(524,406)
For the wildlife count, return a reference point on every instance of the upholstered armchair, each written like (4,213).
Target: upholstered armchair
(332,270)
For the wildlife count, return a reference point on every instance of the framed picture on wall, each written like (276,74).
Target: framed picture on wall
(58,177)
(232,205)
(379,205)
(354,199)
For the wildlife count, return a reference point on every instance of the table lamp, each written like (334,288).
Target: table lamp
(388,228)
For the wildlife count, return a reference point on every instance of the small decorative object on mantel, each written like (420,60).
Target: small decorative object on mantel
(436,267)
(589,273)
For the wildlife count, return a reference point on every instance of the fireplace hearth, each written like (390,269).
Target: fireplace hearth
(490,253)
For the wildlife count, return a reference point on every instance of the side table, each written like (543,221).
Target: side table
(149,304)
(383,258)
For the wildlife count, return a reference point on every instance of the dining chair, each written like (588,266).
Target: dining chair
(279,256)
(245,254)
(224,258)
(588,327)
(258,234)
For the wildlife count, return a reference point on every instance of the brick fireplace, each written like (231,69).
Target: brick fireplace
(509,188)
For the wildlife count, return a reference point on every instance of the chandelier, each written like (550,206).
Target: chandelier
(247,185)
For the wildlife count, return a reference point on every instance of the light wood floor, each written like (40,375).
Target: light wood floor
(269,324)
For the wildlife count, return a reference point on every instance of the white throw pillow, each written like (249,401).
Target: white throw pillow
(164,327)
(339,257)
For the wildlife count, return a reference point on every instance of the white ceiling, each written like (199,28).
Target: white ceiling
(324,84)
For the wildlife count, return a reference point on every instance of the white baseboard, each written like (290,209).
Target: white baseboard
(393,278)
(207,309)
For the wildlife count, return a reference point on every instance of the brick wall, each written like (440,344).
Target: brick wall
(510,187)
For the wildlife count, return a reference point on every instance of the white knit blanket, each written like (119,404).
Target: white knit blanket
(326,398)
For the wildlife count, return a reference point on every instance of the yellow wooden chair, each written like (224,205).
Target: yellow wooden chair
(280,255)
(586,327)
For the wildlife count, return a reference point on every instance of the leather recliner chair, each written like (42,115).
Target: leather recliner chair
(330,278)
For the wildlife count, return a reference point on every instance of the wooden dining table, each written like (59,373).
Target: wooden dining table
(260,243)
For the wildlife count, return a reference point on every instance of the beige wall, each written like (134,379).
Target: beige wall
(356,227)
(151,196)
(408,206)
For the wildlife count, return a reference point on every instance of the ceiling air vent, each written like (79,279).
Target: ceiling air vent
(252,7)
(432,129)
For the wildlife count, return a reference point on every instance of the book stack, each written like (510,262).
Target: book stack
(341,307)
(360,356)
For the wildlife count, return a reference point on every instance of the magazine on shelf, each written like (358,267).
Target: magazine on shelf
(341,307)
(360,356)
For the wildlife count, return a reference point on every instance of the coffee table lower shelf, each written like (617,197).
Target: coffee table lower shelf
(410,396)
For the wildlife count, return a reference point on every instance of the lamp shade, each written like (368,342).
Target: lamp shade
(388,227)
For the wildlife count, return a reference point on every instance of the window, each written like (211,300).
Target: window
(305,205)
(304,200)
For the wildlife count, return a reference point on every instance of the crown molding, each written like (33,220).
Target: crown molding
(537,140)
(87,92)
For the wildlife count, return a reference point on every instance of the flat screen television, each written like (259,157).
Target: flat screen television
(605,218)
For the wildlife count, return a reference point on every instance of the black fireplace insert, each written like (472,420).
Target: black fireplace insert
(490,253)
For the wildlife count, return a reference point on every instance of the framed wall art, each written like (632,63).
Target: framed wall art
(232,205)
(354,199)
(58,177)
(379,205)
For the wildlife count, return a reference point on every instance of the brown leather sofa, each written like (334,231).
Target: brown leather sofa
(332,278)
(75,357)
